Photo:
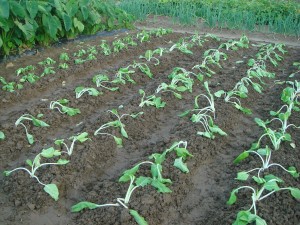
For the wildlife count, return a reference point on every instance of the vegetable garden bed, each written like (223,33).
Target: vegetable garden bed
(154,77)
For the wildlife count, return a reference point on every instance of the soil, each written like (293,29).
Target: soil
(198,197)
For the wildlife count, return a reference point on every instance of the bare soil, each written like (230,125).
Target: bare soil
(198,197)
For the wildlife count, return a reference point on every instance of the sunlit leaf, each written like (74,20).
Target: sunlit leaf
(52,190)
(83,205)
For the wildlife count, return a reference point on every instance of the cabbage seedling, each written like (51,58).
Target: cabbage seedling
(265,156)
(48,61)
(235,45)
(34,165)
(101,79)
(48,70)
(80,137)
(63,66)
(129,41)
(182,46)
(118,45)
(149,56)
(143,68)
(143,36)
(105,48)
(268,52)
(161,31)
(64,56)
(80,53)
(269,184)
(123,75)
(81,90)
(36,122)
(116,124)
(151,100)
(79,61)
(25,70)
(60,105)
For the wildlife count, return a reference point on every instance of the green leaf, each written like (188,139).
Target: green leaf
(4,9)
(30,138)
(160,186)
(241,157)
(137,217)
(39,123)
(232,199)
(177,95)
(28,162)
(178,163)
(17,9)
(292,170)
(259,180)
(32,8)
(270,177)
(123,132)
(184,113)
(67,21)
(295,192)
(128,173)
(156,169)
(159,158)
(50,152)
(2,136)
(143,181)
(182,152)
(83,205)
(82,137)
(216,129)
(62,162)
(78,24)
(219,93)
(271,186)
(118,141)
(52,190)
(181,88)
(242,176)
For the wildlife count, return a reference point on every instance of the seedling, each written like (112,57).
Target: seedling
(268,52)
(116,124)
(143,36)
(270,185)
(30,77)
(69,150)
(25,70)
(81,90)
(34,165)
(2,135)
(296,64)
(105,48)
(182,46)
(48,61)
(143,68)
(64,56)
(80,53)
(161,31)
(156,179)
(60,105)
(197,39)
(235,45)
(36,122)
(118,45)
(149,56)
(90,57)
(63,66)
(92,50)
(123,75)
(129,41)
(212,36)
(258,70)
(101,79)
(79,61)
(151,100)
(48,70)
(265,156)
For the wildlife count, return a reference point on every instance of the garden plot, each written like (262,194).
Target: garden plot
(151,127)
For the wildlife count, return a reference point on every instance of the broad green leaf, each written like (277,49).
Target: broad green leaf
(37,161)
(83,205)
(17,9)
(1,43)
(160,186)
(259,180)
(206,134)
(136,115)
(270,177)
(2,136)
(30,138)
(39,123)
(295,192)
(137,217)
(123,132)
(63,101)
(27,29)
(178,163)
(273,113)
(77,24)
(242,176)
(85,12)
(28,162)
(62,162)
(177,95)
(216,129)
(244,110)
(257,87)
(271,186)
(264,151)
(118,141)
(4,9)
(143,181)
(182,152)
(241,157)
(32,8)
(127,173)
(219,93)
(82,137)
(52,190)
(156,169)
(259,221)
(50,152)
(292,170)
(232,199)
(59,142)
(181,88)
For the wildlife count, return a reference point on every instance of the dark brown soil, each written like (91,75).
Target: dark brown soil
(198,197)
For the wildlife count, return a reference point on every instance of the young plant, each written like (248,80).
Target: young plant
(197,39)
(156,179)
(92,50)
(182,46)
(151,100)
(235,45)
(48,70)
(116,124)
(143,68)
(101,79)
(90,57)
(129,41)
(80,53)
(269,184)
(149,56)
(143,36)
(48,61)
(60,105)
(118,45)
(105,48)
(161,31)
(34,165)
(63,66)
(69,150)
(81,90)
(35,121)
(123,75)
(64,57)
(268,52)
(24,70)
(30,77)
(79,61)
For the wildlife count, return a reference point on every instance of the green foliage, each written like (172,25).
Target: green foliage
(26,22)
